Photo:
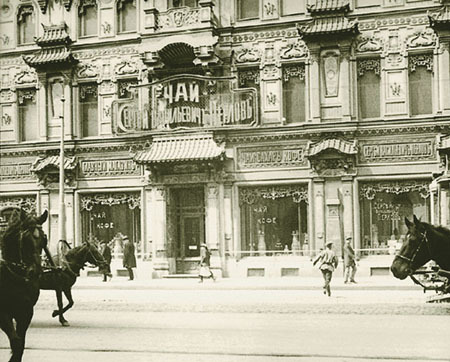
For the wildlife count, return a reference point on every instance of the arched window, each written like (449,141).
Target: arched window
(26,24)
(87,18)
(126,15)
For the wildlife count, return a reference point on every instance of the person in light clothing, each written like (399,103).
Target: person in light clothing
(349,261)
(328,263)
(205,263)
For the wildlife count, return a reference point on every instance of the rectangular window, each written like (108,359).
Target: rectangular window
(248,9)
(294,93)
(181,3)
(88,110)
(290,7)
(369,88)
(87,16)
(421,84)
(384,208)
(26,25)
(273,219)
(28,120)
(126,13)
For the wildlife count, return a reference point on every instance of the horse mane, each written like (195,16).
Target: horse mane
(10,235)
(438,229)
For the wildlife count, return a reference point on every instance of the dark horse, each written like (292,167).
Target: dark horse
(20,267)
(61,280)
(424,242)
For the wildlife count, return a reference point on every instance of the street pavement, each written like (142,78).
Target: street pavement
(242,320)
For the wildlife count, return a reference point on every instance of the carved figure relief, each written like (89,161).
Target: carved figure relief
(421,60)
(421,39)
(294,50)
(87,70)
(270,9)
(126,67)
(368,65)
(369,44)
(25,77)
(247,55)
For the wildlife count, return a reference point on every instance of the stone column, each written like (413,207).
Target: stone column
(319,217)
(157,213)
(345,90)
(314,85)
(228,218)
(444,207)
(213,225)
(41,102)
(333,227)
(70,224)
(356,215)
(44,202)
(347,201)
(444,78)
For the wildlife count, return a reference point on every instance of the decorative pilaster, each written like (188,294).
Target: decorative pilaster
(346,88)
(444,207)
(314,89)
(228,217)
(444,77)
(347,201)
(319,207)
(70,222)
(157,213)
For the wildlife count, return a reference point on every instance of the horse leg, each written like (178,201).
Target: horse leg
(68,294)
(22,324)
(7,326)
(59,312)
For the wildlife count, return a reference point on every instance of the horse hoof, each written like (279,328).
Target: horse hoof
(65,324)
(55,313)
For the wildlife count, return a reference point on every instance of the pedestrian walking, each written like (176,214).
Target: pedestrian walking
(205,263)
(328,263)
(349,261)
(105,250)
(129,259)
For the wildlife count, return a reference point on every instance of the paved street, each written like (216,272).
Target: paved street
(187,321)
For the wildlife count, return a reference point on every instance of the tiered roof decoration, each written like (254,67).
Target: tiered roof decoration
(440,20)
(55,48)
(329,17)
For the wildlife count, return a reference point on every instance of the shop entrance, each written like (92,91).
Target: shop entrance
(187,226)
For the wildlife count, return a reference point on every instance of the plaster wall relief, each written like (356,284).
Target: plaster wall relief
(270,9)
(107,25)
(330,67)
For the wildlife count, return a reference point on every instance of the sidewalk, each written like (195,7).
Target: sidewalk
(251,283)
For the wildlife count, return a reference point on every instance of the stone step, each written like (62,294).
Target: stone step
(181,276)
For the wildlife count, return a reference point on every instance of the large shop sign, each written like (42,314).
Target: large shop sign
(188,101)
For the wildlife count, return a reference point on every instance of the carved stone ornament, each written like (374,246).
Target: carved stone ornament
(126,67)
(394,60)
(178,17)
(132,200)
(421,39)
(23,94)
(255,195)
(27,203)
(422,60)
(247,55)
(6,95)
(87,70)
(368,44)
(43,5)
(251,75)
(88,89)
(368,191)
(293,71)
(368,65)
(330,64)
(271,72)
(294,50)
(5,39)
(25,77)
(6,10)
(332,166)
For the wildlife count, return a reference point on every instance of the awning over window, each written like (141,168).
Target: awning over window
(181,148)
(42,163)
(345,147)
(331,25)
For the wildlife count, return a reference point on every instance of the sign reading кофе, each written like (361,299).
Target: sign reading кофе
(189,101)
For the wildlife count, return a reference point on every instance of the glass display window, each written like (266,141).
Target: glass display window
(273,219)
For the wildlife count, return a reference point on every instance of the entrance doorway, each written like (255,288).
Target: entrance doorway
(187,226)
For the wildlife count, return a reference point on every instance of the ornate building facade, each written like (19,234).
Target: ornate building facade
(262,128)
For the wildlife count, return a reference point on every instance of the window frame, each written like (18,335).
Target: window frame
(119,14)
(427,53)
(81,24)
(18,23)
(374,68)
(300,11)
(79,109)
(238,11)
(20,124)
(303,72)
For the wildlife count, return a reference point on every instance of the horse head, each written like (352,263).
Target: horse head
(24,239)
(415,250)
(93,255)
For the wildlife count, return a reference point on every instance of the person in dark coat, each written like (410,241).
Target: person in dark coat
(129,259)
(328,263)
(105,250)
(205,263)
(349,261)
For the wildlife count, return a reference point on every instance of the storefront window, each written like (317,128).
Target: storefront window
(104,216)
(384,207)
(273,219)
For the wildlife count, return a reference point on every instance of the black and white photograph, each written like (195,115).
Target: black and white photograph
(224,180)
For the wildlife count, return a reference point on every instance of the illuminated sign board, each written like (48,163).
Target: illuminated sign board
(188,101)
